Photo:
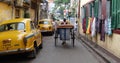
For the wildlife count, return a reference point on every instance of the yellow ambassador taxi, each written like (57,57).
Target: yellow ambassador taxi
(19,36)
(46,26)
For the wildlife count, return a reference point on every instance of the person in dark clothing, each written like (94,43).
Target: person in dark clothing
(64,23)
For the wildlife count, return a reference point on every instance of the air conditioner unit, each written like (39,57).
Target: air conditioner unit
(19,3)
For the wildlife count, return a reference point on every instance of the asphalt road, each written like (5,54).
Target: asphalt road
(52,54)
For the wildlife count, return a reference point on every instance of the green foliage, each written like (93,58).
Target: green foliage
(59,7)
(61,1)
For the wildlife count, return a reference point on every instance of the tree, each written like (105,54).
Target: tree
(61,1)
(59,6)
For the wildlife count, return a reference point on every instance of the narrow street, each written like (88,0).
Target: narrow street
(52,54)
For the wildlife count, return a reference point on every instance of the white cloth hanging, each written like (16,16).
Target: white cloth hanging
(93,29)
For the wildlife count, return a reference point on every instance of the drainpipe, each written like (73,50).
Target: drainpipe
(78,18)
(12,8)
(37,11)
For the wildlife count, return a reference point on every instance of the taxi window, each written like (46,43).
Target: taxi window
(21,26)
(12,26)
(2,28)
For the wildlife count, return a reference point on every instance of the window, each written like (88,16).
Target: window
(2,28)
(96,8)
(26,13)
(17,13)
(12,26)
(115,14)
(90,6)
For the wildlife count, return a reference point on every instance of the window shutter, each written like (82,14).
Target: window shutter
(96,8)
(114,16)
(90,5)
(118,13)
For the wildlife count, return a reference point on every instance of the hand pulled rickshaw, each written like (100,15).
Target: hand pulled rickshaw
(65,33)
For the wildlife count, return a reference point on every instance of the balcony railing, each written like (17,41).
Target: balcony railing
(6,1)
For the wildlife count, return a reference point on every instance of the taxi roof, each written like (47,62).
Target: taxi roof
(45,20)
(14,20)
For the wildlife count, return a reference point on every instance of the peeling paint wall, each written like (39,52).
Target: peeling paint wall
(5,12)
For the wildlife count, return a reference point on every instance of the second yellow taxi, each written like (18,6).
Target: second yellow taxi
(46,25)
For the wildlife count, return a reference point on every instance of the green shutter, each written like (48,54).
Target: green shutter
(118,13)
(85,12)
(114,16)
(90,5)
(96,8)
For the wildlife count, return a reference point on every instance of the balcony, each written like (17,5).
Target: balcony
(6,1)
(22,3)
(18,3)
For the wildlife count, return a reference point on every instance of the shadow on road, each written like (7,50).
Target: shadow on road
(47,34)
(16,58)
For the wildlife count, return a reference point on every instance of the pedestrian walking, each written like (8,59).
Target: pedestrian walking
(75,26)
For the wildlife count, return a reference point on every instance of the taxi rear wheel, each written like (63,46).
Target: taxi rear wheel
(51,33)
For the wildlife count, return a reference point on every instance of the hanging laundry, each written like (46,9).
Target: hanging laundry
(87,19)
(98,25)
(93,29)
(109,27)
(106,25)
(84,25)
(91,23)
(88,27)
(102,34)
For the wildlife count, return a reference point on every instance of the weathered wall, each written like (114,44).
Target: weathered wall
(111,44)
(21,13)
(5,12)
(32,14)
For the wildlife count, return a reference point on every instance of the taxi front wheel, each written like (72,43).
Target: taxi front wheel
(41,46)
(33,53)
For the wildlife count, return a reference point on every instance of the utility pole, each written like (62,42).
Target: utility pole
(78,17)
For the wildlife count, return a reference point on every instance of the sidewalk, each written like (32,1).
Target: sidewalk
(104,54)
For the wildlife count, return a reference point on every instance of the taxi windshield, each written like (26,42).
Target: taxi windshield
(12,26)
(43,22)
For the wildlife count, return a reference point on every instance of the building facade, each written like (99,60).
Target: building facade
(11,9)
